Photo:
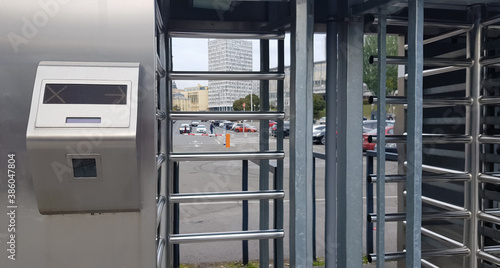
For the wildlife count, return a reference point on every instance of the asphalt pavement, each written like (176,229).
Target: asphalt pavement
(221,176)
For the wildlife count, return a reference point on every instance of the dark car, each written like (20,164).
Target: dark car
(319,134)
(286,129)
(229,125)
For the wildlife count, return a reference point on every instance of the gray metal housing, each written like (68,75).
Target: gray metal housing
(97,31)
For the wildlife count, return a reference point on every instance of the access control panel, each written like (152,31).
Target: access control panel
(81,137)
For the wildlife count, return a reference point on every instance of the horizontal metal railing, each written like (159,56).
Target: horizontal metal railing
(437,62)
(396,256)
(228,35)
(486,61)
(488,178)
(394,178)
(488,257)
(427,103)
(426,216)
(443,205)
(426,138)
(227,115)
(160,204)
(225,236)
(226,196)
(489,100)
(488,139)
(436,71)
(226,156)
(443,36)
(485,216)
(177,75)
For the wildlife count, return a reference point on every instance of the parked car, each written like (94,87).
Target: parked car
(319,132)
(240,127)
(369,125)
(185,128)
(322,120)
(371,146)
(194,123)
(286,129)
(272,123)
(229,125)
(201,129)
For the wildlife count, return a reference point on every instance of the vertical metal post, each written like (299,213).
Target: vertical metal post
(244,187)
(278,182)
(414,130)
(381,115)
(176,227)
(314,209)
(170,166)
(301,96)
(471,191)
(264,146)
(331,137)
(350,176)
(369,204)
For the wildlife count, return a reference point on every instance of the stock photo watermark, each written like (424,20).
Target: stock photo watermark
(11,206)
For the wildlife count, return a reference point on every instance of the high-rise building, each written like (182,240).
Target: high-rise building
(227,55)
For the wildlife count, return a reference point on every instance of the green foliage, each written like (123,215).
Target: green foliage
(238,104)
(319,104)
(176,108)
(319,262)
(370,76)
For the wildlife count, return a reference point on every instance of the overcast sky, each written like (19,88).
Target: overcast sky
(191,54)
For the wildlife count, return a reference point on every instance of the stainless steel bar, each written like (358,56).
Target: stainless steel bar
(225,76)
(437,62)
(443,36)
(226,196)
(441,238)
(396,256)
(228,35)
(159,251)
(427,103)
(426,139)
(225,236)
(426,216)
(263,147)
(160,159)
(160,204)
(436,71)
(492,249)
(483,216)
(487,139)
(440,170)
(381,113)
(436,24)
(427,264)
(227,116)
(372,178)
(441,204)
(226,156)
(487,61)
(489,100)
(488,178)
(489,21)
(488,257)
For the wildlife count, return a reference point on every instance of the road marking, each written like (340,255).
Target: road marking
(258,201)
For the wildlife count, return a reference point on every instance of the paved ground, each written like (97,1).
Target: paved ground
(226,216)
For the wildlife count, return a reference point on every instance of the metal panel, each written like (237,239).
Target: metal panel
(414,128)
(34,31)
(350,176)
(300,133)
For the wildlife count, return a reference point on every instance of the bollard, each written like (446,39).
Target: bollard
(228,139)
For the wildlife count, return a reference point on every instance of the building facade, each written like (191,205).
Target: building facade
(227,55)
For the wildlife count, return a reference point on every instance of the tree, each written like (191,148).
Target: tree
(176,108)
(238,104)
(370,76)
(319,104)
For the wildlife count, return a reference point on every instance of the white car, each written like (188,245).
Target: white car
(201,129)
(322,120)
(185,128)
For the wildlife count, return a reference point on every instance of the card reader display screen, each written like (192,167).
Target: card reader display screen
(84,167)
(85,94)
